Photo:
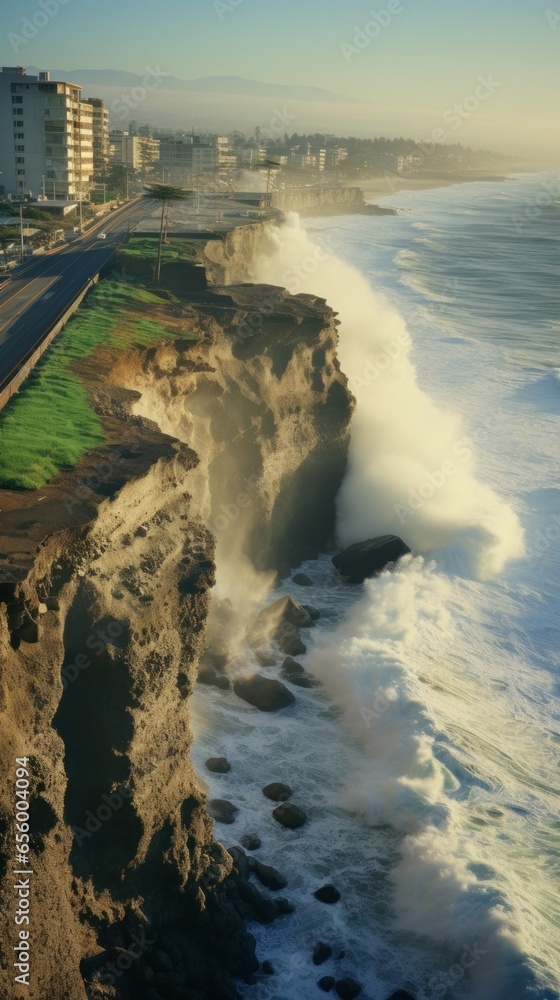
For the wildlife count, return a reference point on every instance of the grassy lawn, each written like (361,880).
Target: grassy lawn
(49,424)
(146,247)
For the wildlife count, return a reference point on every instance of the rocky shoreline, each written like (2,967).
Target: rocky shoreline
(106,576)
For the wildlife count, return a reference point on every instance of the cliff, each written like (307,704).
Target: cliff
(326,201)
(222,452)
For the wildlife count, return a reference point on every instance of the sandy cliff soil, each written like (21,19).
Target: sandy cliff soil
(105,582)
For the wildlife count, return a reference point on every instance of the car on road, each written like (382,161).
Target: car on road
(102,236)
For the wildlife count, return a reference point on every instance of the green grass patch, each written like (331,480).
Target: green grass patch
(146,248)
(49,424)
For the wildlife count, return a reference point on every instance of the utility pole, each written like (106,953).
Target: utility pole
(21,229)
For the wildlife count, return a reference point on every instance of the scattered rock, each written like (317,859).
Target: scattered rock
(258,906)
(162,961)
(321,952)
(327,894)
(284,906)
(365,559)
(29,630)
(222,682)
(265,659)
(268,968)
(224,610)
(265,694)
(348,989)
(293,672)
(53,604)
(207,675)
(142,531)
(218,765)
(326,983)
(302,580)
(293,645)
(285,609)
(241,862)
(251,842)
(277,791)
(42,609)
(290,816)
(222,811)
(313,613)
(268,876)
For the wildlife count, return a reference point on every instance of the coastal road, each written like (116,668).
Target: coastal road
(41,290)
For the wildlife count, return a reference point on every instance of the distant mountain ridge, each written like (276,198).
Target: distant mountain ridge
(204,85)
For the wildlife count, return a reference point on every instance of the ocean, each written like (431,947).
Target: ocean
(427,759)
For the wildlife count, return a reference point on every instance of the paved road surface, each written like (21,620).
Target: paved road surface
(40,291)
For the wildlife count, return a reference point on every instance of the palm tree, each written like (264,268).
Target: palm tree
(165,193)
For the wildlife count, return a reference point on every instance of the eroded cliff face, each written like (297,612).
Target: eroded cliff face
(226,450)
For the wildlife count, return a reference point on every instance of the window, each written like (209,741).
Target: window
(18,124)
(20,149)
(17,100)
(20,159)
(19,135)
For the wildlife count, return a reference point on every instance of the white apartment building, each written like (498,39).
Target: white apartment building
(139,152)
(46,136)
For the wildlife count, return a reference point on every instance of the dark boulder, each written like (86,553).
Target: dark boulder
(264,658)
(327,894)
(401,995)
(326,983)
(293,672)
(302,580)
(265,694)
(268,876)
(222,811)
(321,952)
(366,559)
(313,613)
(268,968)
(292,644)
(240,862)
(290,816)
(218,765)
(277,791)
(348,989)
(250,842)
(284,610)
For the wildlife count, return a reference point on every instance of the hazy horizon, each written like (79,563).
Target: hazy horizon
(417,69)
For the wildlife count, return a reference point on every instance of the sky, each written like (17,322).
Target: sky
(424,57)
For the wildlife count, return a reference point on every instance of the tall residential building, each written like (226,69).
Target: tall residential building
(179,157)
(100,124)
(46,136)
(138,152)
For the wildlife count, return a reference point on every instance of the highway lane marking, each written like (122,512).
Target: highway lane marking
(29,302)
